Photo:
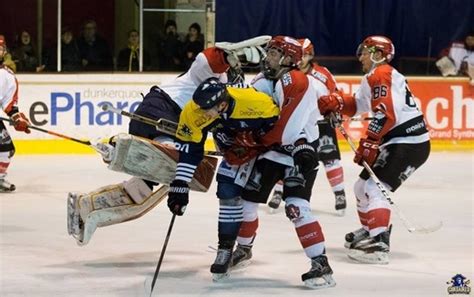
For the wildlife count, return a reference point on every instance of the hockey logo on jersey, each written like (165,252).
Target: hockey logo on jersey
(250,112)
(382,158)
(185,130)
(406,174)
(286,79)
(326,145)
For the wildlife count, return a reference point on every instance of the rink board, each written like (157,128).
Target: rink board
(70,104)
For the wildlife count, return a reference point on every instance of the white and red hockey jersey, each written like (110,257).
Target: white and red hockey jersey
(209,63)
(384,91)
(8,89)
(296,94)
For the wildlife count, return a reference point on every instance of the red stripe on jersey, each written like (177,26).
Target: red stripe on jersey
(4,166)
(379,217)
(335,176)
(328,80)
(215,58)
(310,234)
(248,229)
(295,84)
(363,218)
(382,78)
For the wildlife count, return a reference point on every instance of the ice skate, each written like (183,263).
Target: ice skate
(372,250)
(6,187)
(220,268)
(320,274)
(341,204)
(241,256)
(355,236)
(275,202)
(75,226)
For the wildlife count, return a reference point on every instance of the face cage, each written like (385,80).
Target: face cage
(372,50)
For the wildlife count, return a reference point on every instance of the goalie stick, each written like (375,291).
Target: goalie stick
(410,226)
(165,126)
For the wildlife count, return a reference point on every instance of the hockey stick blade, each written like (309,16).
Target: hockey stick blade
(426,230)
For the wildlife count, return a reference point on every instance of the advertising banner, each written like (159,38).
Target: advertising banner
(70,104)
(448,106)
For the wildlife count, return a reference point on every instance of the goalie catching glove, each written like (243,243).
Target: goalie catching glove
(178,197)
(247,52)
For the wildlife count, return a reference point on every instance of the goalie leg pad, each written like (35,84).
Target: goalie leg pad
(107,206)
(156,162)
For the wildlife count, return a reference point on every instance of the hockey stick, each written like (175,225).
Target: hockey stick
(162,125)
(158,265)
(97,147)
(410,227)
(85,142)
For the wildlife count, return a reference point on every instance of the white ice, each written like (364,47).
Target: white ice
(38,258)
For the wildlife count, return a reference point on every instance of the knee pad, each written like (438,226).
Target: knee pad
(228,190)
(298,210)
(375,196)
(359,191)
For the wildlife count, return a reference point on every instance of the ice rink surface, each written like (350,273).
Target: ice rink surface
(38,258)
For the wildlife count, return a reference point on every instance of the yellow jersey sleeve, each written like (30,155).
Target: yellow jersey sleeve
(193,124)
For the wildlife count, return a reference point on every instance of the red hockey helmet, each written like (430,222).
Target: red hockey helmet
(308,48)
(289,47)
(378,43)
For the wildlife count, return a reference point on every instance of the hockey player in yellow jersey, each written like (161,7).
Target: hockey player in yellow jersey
(230,112)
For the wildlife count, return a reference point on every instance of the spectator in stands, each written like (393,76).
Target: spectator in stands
(193,45)
(170,48)
(459,58)
(7,58)
(70,54)
(128,58)
(24,54)
(95,52)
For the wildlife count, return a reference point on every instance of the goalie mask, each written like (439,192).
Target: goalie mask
(377,43)
(283,54)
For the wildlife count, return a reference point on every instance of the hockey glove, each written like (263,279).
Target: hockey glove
(178,197)
(247,139)
(238,155)
(330,103)
(367,151)
(305,157)
(21,122)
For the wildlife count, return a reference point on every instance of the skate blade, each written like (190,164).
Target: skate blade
(71,215)
(325,281)
(368,258)
(241,265)
(341,212)
(219,277)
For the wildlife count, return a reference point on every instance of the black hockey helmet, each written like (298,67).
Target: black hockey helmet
(210,93)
